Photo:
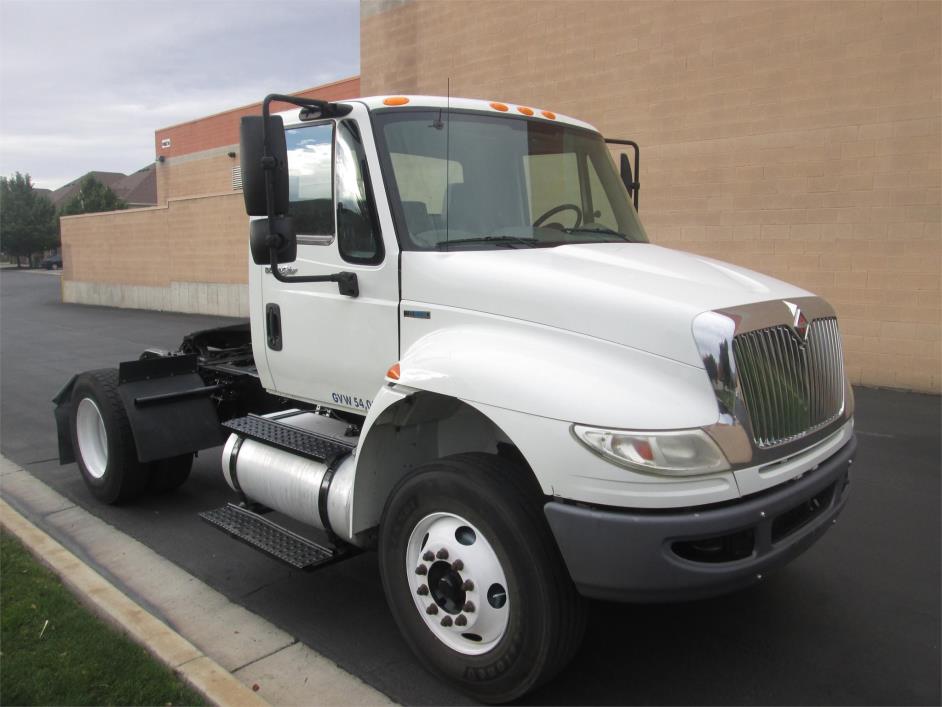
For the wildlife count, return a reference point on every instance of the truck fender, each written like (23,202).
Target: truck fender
(407,428)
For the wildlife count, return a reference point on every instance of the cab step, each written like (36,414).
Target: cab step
(313,444)
(272,539)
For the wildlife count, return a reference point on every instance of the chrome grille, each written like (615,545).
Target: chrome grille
(791,387)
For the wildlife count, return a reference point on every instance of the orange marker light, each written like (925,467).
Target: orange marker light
(393,372)
(500,106)
(548,114)
(396,101)
(525,110)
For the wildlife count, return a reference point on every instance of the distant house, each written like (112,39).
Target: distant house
(138,189)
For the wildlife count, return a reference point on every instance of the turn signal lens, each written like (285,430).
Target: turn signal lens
(393,372)
(396,101)
(680,453)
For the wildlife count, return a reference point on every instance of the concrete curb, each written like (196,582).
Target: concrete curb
(202,673)
(218,646)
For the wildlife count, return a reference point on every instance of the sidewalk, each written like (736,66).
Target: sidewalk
(220,648)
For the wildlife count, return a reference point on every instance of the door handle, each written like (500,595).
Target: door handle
(273,326)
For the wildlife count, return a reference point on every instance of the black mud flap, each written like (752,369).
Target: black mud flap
(63,413)
(169,407)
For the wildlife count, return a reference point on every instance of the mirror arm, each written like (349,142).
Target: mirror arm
(347,282)
(636,184)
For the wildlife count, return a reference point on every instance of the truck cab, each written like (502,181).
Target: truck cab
(465,354)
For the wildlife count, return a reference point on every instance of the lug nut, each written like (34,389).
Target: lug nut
(442,554)
(446,622)
(468,585)
(421,569)
(432,610)
(469,607)
(422,591)
(461,620)
(457,565)
(428,556)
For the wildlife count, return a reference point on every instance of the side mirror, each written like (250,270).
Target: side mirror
(251,151)
(629,177)
(279,235)
(625,169)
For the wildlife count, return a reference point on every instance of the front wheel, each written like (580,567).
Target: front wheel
(474,578)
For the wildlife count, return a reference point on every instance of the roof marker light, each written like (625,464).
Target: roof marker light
(548,114)
(393,372)
(525,110)
(500,106)
(395,101)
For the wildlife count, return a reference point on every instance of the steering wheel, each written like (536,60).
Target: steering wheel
(557,209)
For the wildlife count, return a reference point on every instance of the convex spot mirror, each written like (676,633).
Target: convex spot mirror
(280,235)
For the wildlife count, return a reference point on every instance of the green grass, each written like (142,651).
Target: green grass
(77,659)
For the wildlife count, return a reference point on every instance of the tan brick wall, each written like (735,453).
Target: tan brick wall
(199,174)
(800,139)
(188,240)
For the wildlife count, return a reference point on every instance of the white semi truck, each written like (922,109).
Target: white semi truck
(465,354)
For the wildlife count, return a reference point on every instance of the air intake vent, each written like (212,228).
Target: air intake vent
(236,179)
(791,386)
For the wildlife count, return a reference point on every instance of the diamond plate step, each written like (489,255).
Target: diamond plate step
(270,538)
(291,439)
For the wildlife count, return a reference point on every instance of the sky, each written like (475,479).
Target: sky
(84,84)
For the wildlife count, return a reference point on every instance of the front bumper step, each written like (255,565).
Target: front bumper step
(272,539)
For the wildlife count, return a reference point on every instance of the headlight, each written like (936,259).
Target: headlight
(681,453)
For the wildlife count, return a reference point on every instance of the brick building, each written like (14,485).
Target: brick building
(801,139)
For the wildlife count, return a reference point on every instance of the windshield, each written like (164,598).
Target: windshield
(471,181)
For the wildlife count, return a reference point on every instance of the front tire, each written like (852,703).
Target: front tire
(474,578)
(103,441)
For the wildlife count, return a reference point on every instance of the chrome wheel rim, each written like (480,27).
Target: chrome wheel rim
(92,437)
(457,583)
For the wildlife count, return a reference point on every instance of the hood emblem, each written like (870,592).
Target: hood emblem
(799,321)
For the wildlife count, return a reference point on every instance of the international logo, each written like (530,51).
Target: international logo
(799,321)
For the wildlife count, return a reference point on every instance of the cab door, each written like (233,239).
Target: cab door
(322,346)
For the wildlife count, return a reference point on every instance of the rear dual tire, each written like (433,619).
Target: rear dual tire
(104,444)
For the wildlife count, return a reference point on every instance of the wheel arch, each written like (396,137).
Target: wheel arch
(407,428)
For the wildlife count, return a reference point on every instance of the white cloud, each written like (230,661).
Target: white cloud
(84,85)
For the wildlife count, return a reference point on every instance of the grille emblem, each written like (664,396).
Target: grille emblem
(799,321)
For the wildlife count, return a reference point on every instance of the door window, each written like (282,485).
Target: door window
(310,178)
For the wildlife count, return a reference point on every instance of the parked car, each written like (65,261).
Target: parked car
(53,262)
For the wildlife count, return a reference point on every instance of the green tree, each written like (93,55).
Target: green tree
(92,197)
(28,222)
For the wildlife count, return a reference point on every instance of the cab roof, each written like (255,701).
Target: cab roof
(497,107)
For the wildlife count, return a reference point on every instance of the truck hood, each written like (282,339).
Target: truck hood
(635,294)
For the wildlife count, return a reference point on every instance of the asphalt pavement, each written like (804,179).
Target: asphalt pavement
(855,620)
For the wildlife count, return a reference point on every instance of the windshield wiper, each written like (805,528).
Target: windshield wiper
(508,241)
(600,230)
